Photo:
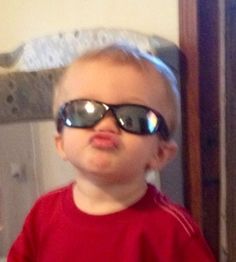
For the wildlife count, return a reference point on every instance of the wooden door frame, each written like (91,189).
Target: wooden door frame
(230,125)
(199,44)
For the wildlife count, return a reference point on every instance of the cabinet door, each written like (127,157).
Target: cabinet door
(17,180)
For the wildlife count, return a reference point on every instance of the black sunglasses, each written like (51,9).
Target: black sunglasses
(133,118)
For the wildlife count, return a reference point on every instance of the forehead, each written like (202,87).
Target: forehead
(106,75)
(90,69)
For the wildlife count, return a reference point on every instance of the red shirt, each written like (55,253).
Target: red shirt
(150,230)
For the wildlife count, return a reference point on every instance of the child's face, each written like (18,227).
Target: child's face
(106,151)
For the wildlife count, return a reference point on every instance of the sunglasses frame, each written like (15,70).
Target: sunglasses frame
(161,128)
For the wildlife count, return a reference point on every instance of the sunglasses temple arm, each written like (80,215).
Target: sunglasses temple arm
(164,130)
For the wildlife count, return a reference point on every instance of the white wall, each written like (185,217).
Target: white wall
(25,19)
(22,20)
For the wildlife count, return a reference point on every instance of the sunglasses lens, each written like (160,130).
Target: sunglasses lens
(82,113)
(137,119)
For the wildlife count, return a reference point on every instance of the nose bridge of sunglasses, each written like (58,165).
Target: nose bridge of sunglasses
(110,114)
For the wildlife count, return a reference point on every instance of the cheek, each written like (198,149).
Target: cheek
(143,148)
(73,141)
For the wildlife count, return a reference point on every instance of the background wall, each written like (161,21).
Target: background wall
(25,19)
(29,146)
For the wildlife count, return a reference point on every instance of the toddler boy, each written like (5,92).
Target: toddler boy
(116,110)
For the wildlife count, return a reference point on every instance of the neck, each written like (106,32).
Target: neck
(105,198)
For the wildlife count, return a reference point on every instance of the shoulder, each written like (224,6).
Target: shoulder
(171,215)
(172,230)
(184,231)
(54,194)
(49,202)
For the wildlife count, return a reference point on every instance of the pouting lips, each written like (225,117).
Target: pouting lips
(105,140)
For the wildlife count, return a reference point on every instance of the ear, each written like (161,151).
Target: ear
(165,152)
(58,138)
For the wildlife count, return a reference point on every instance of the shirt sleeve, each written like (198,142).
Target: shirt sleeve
(22,249)
(197,250)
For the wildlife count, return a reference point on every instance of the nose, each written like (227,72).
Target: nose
(108,124)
